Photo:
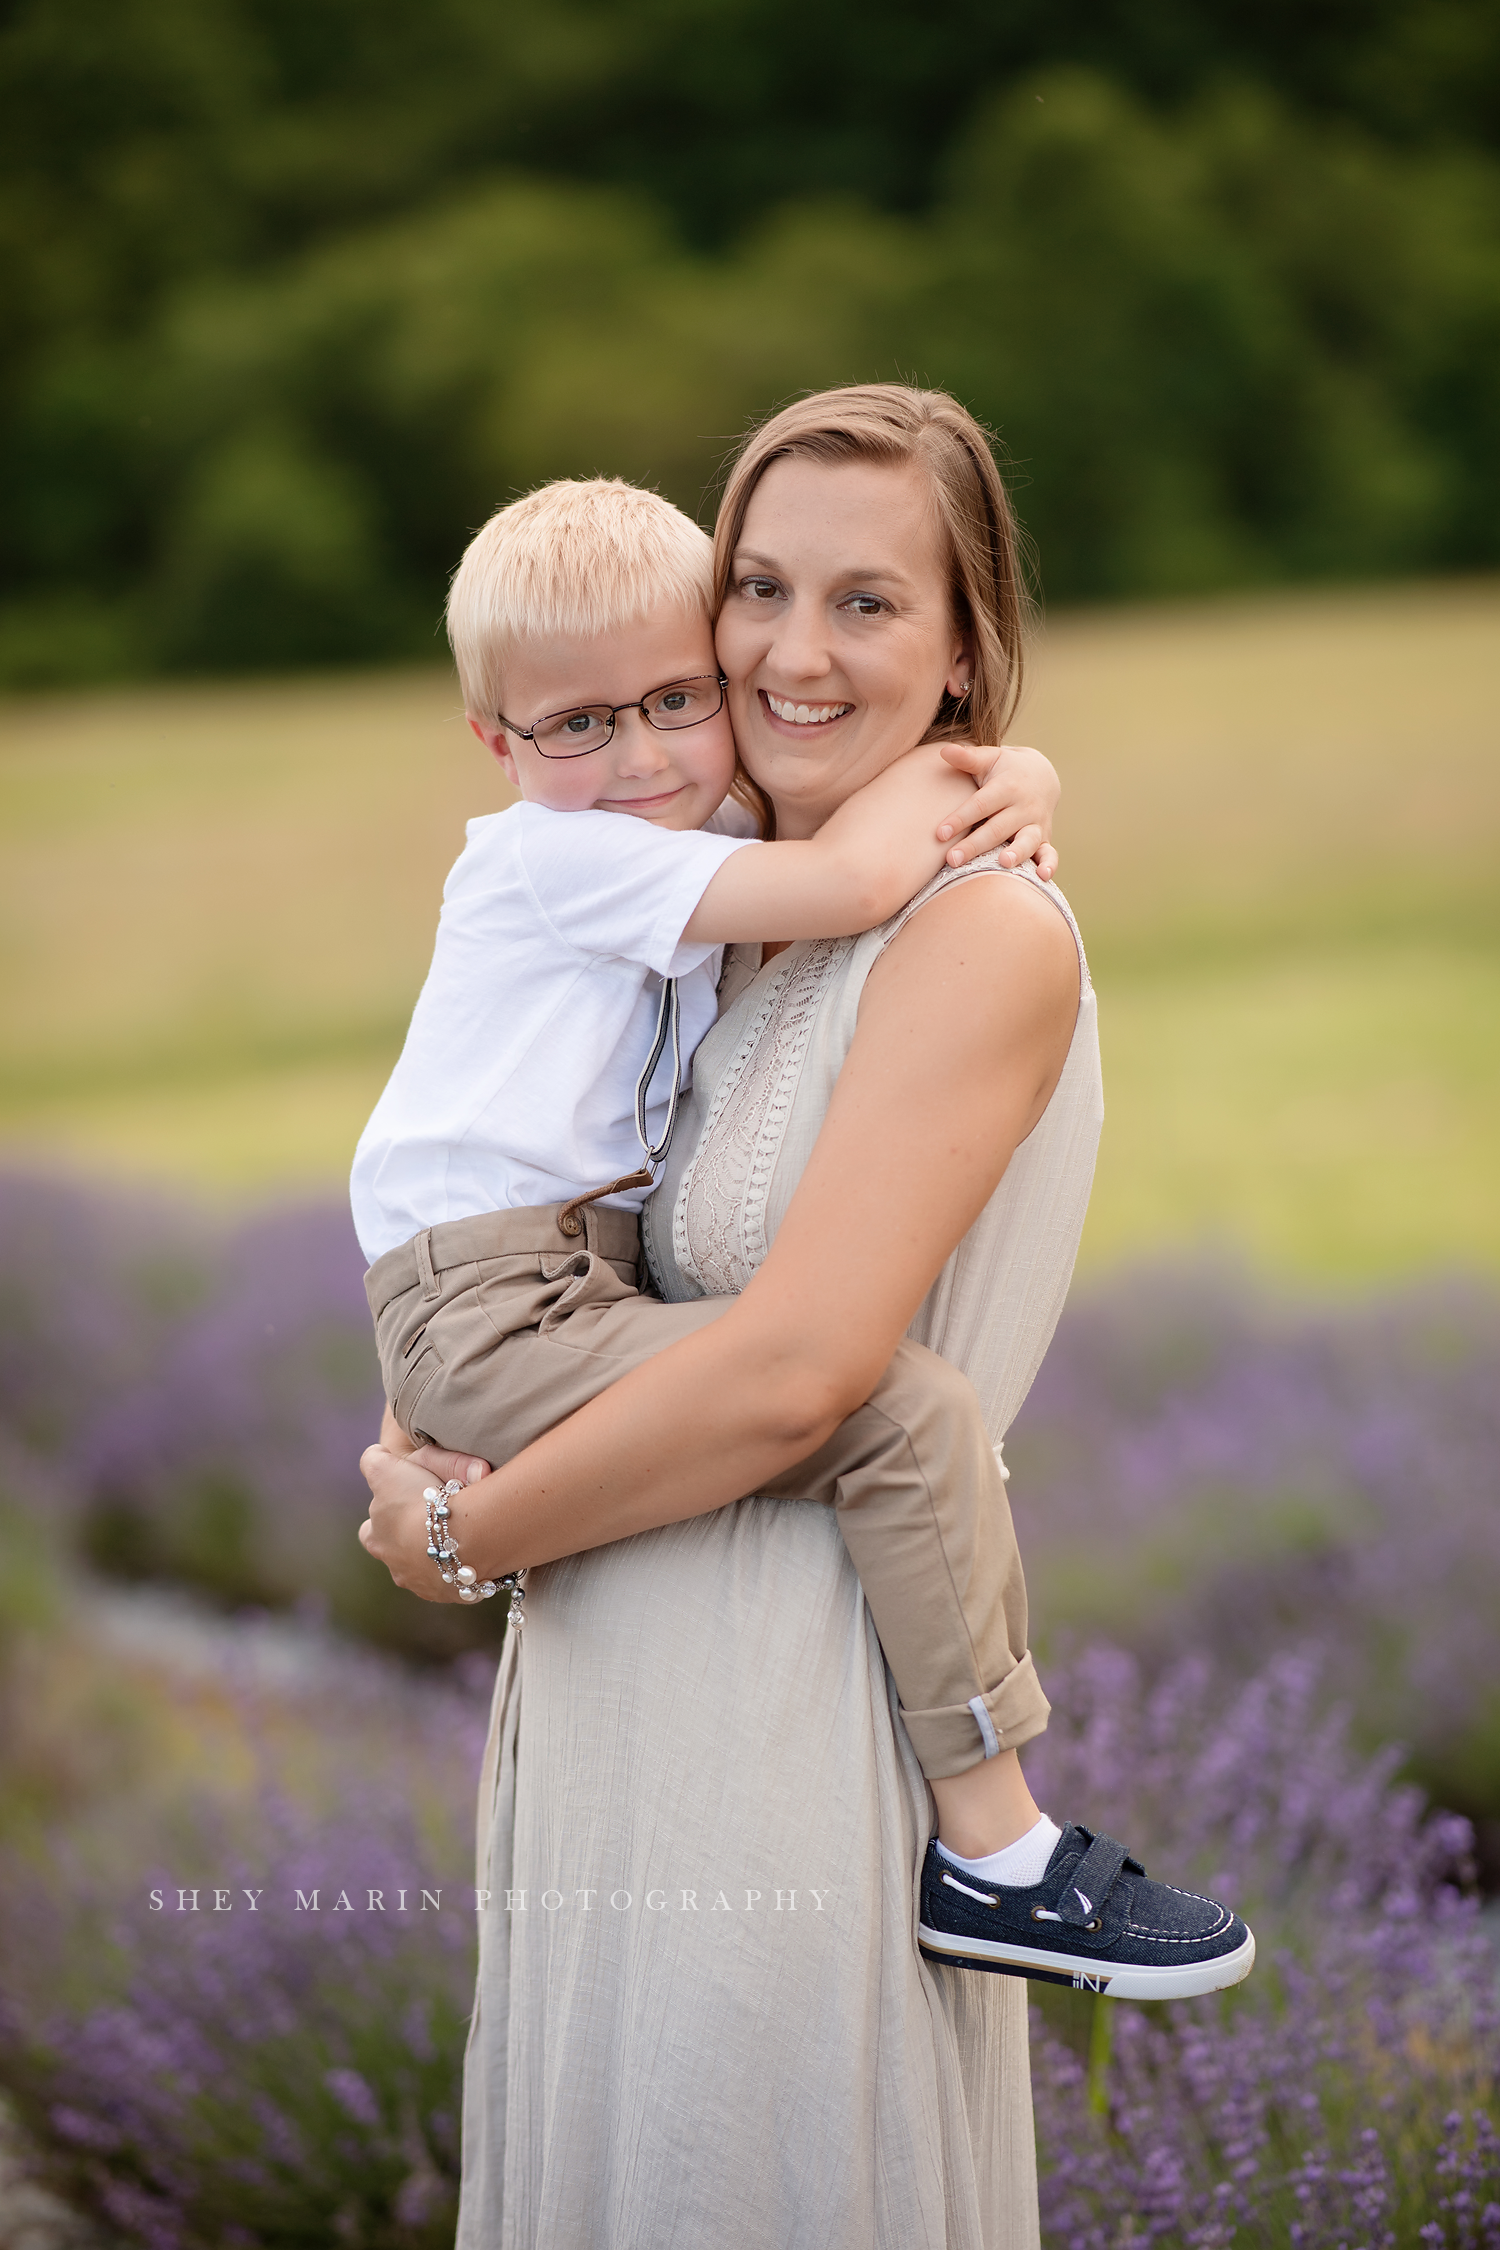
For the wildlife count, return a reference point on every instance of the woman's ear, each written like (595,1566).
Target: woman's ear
(961,671)
(495,741)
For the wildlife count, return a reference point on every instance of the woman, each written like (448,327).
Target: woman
(701,2012)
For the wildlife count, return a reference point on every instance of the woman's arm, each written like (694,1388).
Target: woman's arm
(951,1066)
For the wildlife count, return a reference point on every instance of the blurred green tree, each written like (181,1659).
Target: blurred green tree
(295,294)
(1227,349)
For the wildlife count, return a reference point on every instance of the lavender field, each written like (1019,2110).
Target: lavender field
(1264,1547)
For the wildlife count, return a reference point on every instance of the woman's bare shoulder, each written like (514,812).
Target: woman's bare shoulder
(996,915)
(979,993)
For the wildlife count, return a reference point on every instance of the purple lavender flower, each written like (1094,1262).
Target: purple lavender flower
(1305,2107)
(1199,1468)
(1267,1536)
(189,1403)
(353,2094)
(200,2070)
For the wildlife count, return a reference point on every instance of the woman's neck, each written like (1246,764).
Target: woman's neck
(798,819)
(818,790)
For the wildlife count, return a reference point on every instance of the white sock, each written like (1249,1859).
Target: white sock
(1020,1864)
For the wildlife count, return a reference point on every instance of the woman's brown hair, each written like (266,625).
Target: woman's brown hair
(893,423)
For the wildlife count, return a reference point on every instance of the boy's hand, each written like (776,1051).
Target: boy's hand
(1012,808)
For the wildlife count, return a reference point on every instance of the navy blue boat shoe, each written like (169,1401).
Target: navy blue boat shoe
(1095,1921)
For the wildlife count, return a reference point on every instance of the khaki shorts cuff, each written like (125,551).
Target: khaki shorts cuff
(948,1741)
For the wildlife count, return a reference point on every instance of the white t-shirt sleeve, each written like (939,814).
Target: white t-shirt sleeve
(613,886)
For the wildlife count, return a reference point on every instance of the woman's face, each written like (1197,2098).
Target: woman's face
(836,635)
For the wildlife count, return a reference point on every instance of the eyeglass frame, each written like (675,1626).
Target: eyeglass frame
(528,734)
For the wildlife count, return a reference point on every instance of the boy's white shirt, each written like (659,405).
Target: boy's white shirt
(516,1085)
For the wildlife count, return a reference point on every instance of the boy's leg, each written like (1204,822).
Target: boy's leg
(492,1330)
(923,1510)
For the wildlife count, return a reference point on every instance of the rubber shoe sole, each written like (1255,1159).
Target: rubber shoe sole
(1122,1980)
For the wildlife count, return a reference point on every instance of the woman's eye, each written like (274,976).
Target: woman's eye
(759,589)
(863,605)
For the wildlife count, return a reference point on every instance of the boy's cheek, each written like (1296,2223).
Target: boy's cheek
(713,766)
(553,782)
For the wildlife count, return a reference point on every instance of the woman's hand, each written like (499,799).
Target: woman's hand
(1011,810)
(395,1530)
(393,1437)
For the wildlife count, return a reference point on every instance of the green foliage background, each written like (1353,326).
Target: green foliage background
(296,291)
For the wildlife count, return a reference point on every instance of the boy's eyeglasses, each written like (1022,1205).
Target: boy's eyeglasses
(573,734)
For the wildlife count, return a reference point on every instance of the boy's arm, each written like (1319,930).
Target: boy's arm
(865,862)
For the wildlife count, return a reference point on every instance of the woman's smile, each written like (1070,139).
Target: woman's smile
(797,717)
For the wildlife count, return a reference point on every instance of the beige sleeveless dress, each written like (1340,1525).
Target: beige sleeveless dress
(701,2015)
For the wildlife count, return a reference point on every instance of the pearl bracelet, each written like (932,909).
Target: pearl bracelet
(443,1548)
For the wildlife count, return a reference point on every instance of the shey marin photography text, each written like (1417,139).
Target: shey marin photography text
(546,1899)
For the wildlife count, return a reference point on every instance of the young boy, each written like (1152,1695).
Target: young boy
(497,1186)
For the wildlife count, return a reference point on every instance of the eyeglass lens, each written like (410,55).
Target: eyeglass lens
(684,703)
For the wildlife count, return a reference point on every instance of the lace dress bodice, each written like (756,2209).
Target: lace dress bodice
(721,1210)
(762,1081)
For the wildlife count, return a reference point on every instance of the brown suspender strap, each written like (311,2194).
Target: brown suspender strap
(570,1217)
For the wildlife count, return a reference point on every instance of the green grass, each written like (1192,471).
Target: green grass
(1335,1114)
(1281,831)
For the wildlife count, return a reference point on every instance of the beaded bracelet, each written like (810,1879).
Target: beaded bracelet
(443,1548)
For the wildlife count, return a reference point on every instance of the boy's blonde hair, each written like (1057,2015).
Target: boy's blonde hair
(581,556)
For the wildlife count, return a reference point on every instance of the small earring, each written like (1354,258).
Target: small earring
(963,691)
